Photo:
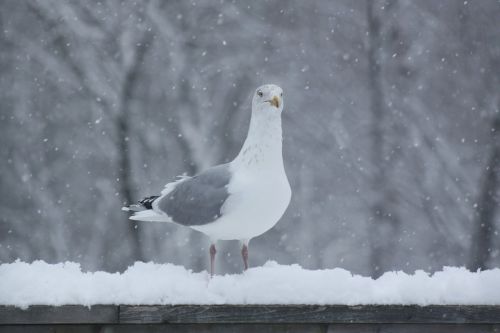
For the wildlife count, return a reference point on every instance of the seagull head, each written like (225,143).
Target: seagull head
(268,98)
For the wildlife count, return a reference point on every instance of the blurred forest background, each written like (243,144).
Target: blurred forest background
(391,125)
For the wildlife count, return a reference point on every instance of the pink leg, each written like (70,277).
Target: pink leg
(244,255)
(213,251)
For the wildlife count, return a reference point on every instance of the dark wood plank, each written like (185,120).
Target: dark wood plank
(251,314)
(413,328)
(169,328)
(279,314)
(67,314)
(251,328)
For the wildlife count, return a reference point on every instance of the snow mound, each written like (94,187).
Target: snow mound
(23,284)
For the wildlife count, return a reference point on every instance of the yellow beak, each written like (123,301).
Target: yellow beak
(275,101)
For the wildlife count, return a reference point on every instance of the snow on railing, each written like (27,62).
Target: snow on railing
(39,283)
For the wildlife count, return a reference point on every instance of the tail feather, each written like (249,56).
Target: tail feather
(149,215)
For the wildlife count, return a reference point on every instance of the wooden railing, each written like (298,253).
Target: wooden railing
(249,318)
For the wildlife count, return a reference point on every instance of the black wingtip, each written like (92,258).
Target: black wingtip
(148,201)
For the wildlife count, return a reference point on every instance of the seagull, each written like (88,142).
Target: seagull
(238,200)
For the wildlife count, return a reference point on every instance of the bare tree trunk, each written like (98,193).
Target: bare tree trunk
(123,131)
(382,221)
(484,224)
(487,202)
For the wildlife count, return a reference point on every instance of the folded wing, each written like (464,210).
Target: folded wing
(197,200)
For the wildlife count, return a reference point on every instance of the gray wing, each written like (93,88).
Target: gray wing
(198,200)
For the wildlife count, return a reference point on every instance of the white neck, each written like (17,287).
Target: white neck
(263,147)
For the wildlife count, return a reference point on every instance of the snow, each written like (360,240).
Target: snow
(23,284)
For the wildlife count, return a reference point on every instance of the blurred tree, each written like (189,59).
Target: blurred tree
(481,59)
(384,219)
(482,238)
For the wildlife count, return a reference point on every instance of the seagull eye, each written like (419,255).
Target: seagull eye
(281,95)
(260,93)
